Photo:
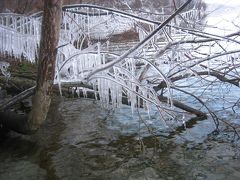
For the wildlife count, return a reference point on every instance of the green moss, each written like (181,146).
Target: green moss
(25,66)
(23,70)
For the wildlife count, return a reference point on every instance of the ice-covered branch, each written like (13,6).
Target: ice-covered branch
(140,44)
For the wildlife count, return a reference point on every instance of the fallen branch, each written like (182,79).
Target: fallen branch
(23,95)
(203,73)
(184,107)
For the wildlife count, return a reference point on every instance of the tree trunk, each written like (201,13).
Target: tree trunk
(46,62)
(45,75)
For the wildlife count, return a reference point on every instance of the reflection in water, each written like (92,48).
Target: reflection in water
(82,141)
(78,142)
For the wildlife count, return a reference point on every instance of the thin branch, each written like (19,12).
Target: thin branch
(202,73)
(183,106)
(140,44)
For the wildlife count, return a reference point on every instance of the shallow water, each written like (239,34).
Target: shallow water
(78,142)
(82,141)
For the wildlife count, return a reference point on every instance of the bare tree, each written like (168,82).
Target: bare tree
(173,68)
(45,75)
(184,65)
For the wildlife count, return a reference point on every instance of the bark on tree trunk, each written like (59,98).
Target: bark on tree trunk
(46,62)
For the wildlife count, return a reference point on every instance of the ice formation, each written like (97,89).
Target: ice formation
(84,46)
(4,68)
(19,36)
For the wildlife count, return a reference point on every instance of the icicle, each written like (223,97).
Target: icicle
(84,92)
(108,86)
(100,91)
(208,62)
(88,25)
(103,57)
(59,82)
(103,86)
(148,104)
(95,84)
(133,99)
(119,95)
(108,42)
(99,53)
(184,122)
(73,90)
(106,93)
(78,91)
(89,61)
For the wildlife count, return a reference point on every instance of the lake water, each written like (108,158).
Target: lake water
(82,141)
(224,16)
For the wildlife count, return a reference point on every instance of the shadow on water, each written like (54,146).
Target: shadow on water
(73,145)
(28,157)
(78,142)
